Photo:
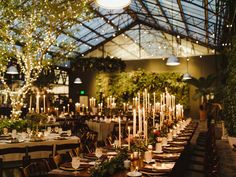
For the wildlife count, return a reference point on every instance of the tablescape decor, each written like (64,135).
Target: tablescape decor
(110,166)
(18,125)
(35,120)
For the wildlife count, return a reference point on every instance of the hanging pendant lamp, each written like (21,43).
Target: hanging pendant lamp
(172,60)
(111,4)
(12,70)
(187,76)
(77,81)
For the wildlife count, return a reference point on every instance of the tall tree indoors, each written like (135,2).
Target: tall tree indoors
(29,31)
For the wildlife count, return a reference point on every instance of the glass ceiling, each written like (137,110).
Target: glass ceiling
(197,22)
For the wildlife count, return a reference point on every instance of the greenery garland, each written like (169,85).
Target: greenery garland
(106,64)
(19,125)
(110,167)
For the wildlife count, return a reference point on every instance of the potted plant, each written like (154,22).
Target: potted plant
(204,90)
(229,101)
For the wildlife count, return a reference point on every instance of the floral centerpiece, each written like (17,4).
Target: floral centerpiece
(156,134)
(36,119)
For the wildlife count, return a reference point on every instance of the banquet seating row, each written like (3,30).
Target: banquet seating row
(204,160)
(26,152)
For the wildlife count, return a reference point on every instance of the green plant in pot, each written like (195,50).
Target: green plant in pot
(204,90)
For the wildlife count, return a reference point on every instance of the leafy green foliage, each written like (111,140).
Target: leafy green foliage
(109,167)
(100,64)
(126,85)
(204,86)
(46,77)
(230,91)
(19,125)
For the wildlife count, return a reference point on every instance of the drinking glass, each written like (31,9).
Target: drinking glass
(75,162)
(148,156)
(98,152)
(5,131)
(68,132)
(13,134)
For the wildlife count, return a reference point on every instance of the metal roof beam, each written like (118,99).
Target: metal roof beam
(184,21)
(112,37)
(206,20)
(154,20)
(181,35)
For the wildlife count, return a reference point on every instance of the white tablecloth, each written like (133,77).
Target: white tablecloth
(104,129)
(39,154)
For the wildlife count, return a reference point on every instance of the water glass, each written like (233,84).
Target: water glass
(148,156)
(75,162)
(68,132)
(98,152)
(5,131)
(13,133)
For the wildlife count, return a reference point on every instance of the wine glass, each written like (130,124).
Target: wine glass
(68,132)
(98,153)
(148,156)
(75,162)
(13,134)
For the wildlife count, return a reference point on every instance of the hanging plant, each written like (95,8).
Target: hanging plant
(46,77)
(107,64)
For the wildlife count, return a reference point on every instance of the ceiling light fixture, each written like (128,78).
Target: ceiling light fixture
(77,81)
(109,4)
(12,70)
(187,76)
(172,60)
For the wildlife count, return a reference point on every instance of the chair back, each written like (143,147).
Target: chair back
(36,169)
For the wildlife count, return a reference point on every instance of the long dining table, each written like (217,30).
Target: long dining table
(170,161)
(52,139)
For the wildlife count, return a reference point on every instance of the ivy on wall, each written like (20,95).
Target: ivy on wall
(229,91)
(125,85)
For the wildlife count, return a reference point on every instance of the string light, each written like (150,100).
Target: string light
(28,32)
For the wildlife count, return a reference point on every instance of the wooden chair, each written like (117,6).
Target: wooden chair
(36,169)
(11,164)
(69,150)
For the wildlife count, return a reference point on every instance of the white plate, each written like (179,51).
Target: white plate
(158,152)
(112,153)
(153,160)
(164,166)
(134,173)
(92,163)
